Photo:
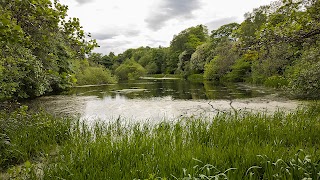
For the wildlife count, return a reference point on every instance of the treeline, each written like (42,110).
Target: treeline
(276,45)
(41,51)
(44,52)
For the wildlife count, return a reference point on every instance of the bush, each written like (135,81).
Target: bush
(211,70)
(257,76)
(276,82)
(240,71)
(21,74)
(152,68)
(130,69)
(95,75)
(195,77)
(305,83)
(304,77)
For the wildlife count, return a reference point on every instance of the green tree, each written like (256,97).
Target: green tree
(246,32)
(224,32)
(304,76)
(37,46)
(241,70)
(130,69)
(206,52)
(200,57)
(226,55)
(184,45)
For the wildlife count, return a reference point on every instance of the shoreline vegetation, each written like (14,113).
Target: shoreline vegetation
(44,51)
(235,146)
(277,45)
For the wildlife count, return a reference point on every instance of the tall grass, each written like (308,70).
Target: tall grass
(29,136)
(243,146)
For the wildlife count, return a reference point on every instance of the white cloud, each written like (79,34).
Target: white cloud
(121,24)
(169,9)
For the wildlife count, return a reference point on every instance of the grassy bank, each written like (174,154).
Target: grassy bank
(29,137)
(246,146)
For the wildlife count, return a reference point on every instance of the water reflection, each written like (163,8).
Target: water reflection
(177,89)
(157,100)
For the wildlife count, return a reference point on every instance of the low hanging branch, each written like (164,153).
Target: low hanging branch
(299,37)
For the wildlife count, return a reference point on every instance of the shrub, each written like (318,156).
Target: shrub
(276,82)
(305,83)
(195,77)
(304,77)
(240,71)
(95,75)
(21,74)
(210,70)
(152,68)
(130,69)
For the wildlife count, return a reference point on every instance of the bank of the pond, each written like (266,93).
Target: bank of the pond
(242,146)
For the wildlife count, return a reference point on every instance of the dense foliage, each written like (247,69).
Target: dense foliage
(37,45)
(87,72)
(43,52)
(276,45)
(130,69)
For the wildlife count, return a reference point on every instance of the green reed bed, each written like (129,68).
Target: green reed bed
(242,146)
(26,136)
(246,146)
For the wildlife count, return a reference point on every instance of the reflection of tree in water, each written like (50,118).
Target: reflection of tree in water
(99,91)
(235,91)
(177,89)
(183,90)
(197,90)
(214,90)
(229,91)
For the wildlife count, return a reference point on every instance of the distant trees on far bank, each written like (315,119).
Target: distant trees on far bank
(276,45)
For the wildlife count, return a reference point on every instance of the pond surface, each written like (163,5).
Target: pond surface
(155,100)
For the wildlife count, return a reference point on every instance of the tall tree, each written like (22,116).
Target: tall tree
(184,45)
(37,46)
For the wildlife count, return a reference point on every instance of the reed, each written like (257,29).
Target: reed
(246,146)
(243,146)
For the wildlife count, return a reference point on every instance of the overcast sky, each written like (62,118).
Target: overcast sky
(122,24)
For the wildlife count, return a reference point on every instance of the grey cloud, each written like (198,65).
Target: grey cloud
(212,25)
(111,34)
(171,9)
(132,32)
(83,1)
(102,36)
(157,21)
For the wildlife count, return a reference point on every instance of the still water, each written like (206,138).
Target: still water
(155,100)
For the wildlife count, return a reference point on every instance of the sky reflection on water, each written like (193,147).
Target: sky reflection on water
(152,100)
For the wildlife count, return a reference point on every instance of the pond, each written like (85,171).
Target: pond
(157,99)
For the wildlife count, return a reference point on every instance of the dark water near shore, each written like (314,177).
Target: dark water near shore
(175,88)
